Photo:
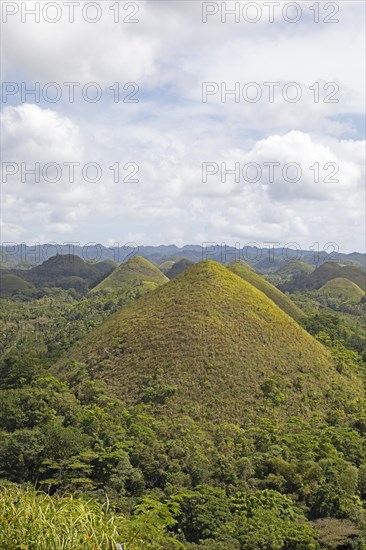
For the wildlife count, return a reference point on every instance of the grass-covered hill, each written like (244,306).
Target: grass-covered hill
(354,274)
(291,273)
(324,273)
(136,271)
(105,267)
(331,270)
(280,299)
(342,289)
(53,271)
(165,266)
(179,267)
(294,268)
(65,271)
(241,263)
(12,283)
(211,345)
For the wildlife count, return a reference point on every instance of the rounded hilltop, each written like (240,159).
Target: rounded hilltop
(219,347)
(136,270)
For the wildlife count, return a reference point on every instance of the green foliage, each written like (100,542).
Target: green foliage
(49,323)
(328,271)
(204,414)
(339,291)
(265,530)
(17,371)
(247,503)
(203,512)
(154,390)
(292,269)
(271,388)
(344,334)
(147,528)
(35,521)
(327,323)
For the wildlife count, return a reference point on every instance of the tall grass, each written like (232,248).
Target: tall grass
(35,521)
(31,520)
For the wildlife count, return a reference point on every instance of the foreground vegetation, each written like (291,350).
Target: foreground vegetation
(85,467)
(33,520)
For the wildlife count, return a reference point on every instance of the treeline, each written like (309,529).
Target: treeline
(274,485)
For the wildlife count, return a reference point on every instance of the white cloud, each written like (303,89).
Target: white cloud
(171,132)
(30,132)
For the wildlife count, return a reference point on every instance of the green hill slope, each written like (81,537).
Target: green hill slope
(332,270)
(290,275)
(137,270)
(293,269)
(322,274)
(354,274)
(342,289)
(105,267)
(241,263)
(179,267)
(165,266)
(211,345)
(56,268)
(280,299)
(10,283)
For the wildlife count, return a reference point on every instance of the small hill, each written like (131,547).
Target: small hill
(322,274)
(241,263)
(50,272)
(290,275)
(341,289)
(11,283)
(332,270)
(137,270)
(354,274)
(105,267)
(209,344)
(293,269)
(280,299)
(165,266)
(179,267)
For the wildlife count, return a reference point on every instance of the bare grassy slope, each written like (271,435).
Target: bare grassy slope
(136,270)
(211,345)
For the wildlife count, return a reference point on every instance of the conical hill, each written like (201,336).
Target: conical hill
(210,345)
(137,270)
(283,301)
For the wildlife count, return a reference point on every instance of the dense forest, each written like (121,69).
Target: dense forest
(182,404)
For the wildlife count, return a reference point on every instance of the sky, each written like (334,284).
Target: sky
(188,124)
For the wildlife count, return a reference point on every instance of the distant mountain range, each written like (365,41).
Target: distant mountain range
(138,274)
(263,259)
